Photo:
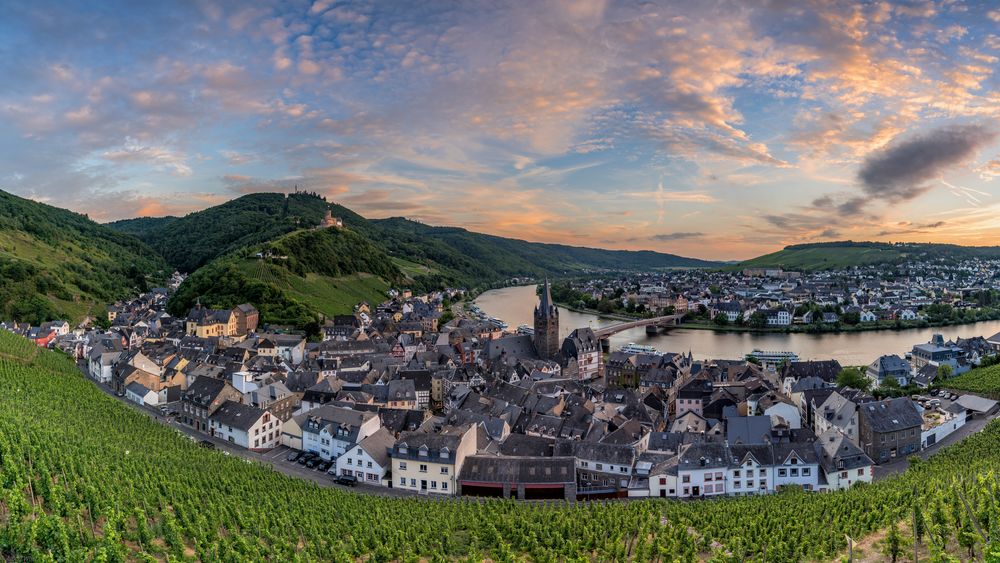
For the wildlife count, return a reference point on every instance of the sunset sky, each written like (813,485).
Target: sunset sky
(711,129)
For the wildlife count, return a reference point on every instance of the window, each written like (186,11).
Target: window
(359,451)
(686,479)
(402,481)
(860,472)
(806,472)
(749,484)
(349,461)
(687,491)
(444,485)
(413,482)
(736,473)
(369,465)
(782,472)
(423,468)
(795,472)
(444,471)
(843,475)
(624,470)
(708,477)
(718,475)
(736,485)
(402,466)
(434,484)
(585,464)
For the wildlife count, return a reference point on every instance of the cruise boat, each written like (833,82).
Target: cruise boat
(525,330)
(633,348)
(773,356)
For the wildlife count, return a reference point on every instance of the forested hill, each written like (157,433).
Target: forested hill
(192,241)
(292,278)
(845,254)
(472,257)
(58,264)
(444,254)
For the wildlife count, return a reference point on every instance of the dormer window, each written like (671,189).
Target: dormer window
(423,451)
(444,453)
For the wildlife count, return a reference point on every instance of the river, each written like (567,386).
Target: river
(515,305)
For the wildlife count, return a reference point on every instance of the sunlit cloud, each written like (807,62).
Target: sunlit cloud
(721,129)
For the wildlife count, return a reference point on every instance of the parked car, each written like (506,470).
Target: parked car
(346,480)
(293,456)
(323,466)
(206,444)
(312,463)
(306,457)
(953,397)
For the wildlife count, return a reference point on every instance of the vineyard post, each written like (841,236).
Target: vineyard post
(914,526)
(850,549)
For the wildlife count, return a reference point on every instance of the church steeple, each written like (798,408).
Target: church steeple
(546,338)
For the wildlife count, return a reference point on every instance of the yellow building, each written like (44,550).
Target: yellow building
(430,463)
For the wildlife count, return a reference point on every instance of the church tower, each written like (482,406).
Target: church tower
(546,337)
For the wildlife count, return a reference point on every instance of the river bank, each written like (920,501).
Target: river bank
(792,329)
(515,305)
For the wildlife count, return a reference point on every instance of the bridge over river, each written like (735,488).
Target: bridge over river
(652,327)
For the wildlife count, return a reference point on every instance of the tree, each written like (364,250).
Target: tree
(721,319)
(944,371)
(757,320)
(852,377)
(892,545)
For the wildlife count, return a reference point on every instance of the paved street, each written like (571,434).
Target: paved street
(276,457)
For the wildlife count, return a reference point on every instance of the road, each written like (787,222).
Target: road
(275,459)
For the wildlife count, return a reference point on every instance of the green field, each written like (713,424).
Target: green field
(121,487)
(824,258)
(984,381)
(412,269)
(327,295)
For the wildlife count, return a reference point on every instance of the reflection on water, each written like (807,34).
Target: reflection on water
(515,305)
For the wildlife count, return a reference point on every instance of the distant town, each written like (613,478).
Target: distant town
(426,395)
(916,294)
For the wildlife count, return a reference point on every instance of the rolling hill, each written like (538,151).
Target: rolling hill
(59,264)
(845,254)
(194,240)
(294,276)
(441,254)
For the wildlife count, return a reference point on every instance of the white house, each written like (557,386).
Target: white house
(702,470)
(246,426)
(838,413)
(751,472)
(329,431)
(843,463)
(867,316)
(139,394)
(796,464)
(369,459)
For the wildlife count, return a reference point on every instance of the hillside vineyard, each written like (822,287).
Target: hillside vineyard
(121,487)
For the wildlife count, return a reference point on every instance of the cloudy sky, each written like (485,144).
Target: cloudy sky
(710,129)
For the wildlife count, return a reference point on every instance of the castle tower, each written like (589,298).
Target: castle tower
(546,336)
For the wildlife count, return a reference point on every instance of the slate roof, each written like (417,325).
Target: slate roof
(748,429)
(606,453)
(377,446)
(890,415)
(834,447)
(237,415)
